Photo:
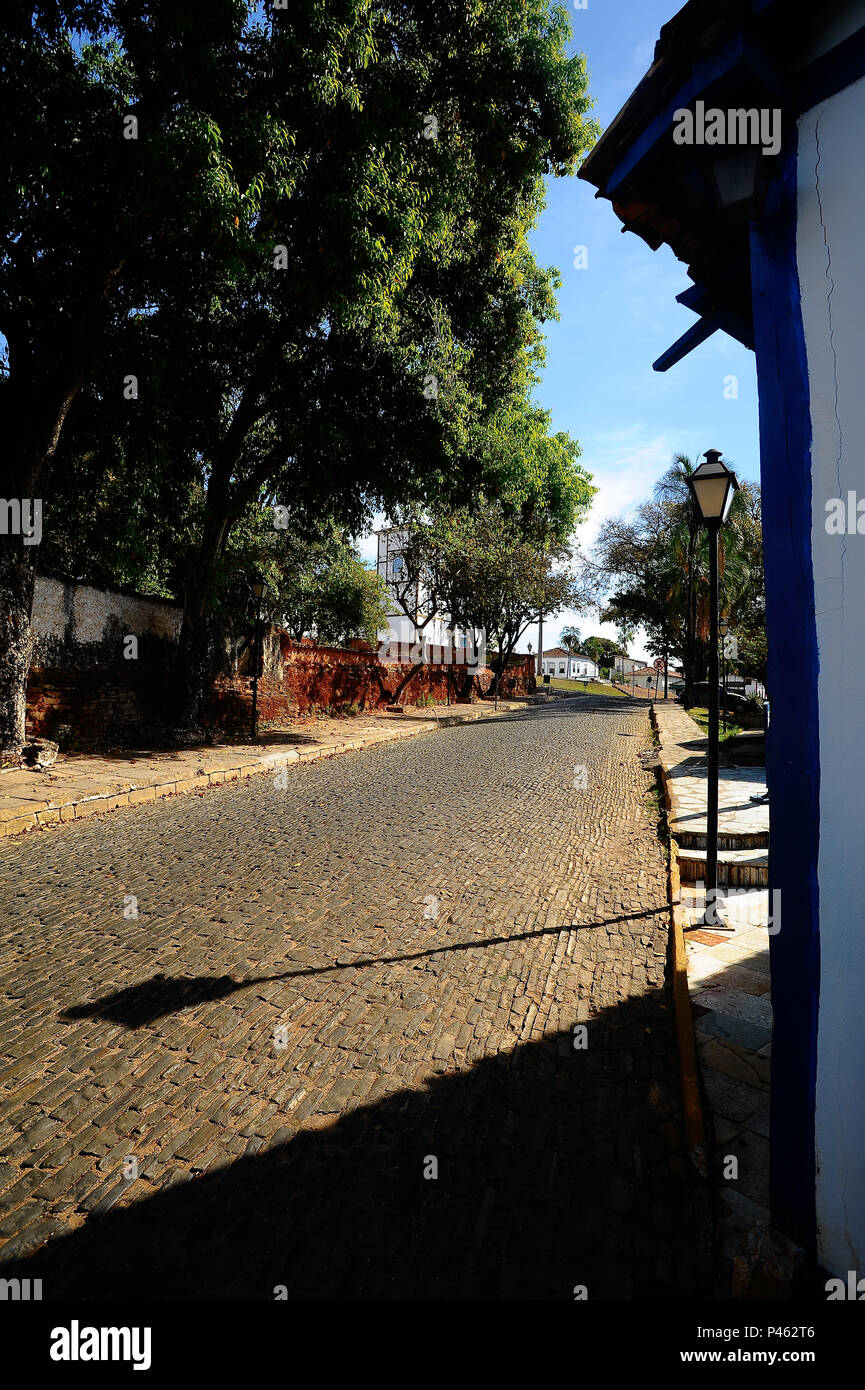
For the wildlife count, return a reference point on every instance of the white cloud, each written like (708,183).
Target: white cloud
(625,467)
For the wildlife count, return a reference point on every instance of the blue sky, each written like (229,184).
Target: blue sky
(620,313)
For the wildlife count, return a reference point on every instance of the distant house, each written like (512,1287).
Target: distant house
(624,665)
(644,676)
(569,665)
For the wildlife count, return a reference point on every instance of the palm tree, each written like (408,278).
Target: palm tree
(570,639)
(689,547)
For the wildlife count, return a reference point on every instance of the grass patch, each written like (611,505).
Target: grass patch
(559,683)
(700,715)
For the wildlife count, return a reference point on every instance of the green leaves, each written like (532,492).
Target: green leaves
(397,152)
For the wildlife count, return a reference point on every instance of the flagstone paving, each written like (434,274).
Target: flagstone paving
(322,1035)
(730,989)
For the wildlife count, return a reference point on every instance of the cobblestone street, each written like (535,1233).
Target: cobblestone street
(333,1052)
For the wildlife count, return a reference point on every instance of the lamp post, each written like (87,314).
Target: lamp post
(257,587)
(547,520)
(712,486)
(724,628)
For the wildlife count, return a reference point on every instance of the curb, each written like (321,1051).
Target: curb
(689,1067)
(46,814)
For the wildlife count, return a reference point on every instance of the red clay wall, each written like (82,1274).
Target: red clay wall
(103,699)
(329,677)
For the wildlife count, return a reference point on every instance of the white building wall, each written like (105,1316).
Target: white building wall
(831,218)
(401,628)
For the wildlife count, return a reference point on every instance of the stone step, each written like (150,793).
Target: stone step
(696,839)
(737,868)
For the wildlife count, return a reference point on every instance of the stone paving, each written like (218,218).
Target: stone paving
(87,784)
(316,1037)
(729,980)
(683,755)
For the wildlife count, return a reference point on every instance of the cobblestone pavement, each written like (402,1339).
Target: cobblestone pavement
(333,1054)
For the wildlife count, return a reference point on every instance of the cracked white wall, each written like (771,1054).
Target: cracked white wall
(831,224)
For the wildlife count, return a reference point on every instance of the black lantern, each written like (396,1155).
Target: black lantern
(712,485)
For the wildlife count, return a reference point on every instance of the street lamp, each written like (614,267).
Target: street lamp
(712,486)
(547,519)
(257,587)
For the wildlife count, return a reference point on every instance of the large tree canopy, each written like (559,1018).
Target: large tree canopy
(284,248)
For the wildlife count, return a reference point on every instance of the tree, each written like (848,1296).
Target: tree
(315,583)
(119,126)
(495,578)
(684,541)
(602,651)
(427,308)
(569,638)
(742,582)
(309,270)
(653,569)
(641,577)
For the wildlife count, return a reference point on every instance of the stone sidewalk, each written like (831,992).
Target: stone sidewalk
(730,994)
(84,784)
(683,757)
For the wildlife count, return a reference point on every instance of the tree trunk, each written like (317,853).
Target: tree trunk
(31,420)
(17,576)
(192,668)
(688,694)
(191,671)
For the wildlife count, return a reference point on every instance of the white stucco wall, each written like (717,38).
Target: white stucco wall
(831,218)
(92,609)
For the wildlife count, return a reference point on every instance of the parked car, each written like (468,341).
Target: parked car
(736,704)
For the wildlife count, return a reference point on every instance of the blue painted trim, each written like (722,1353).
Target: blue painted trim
(793,752)
(739,52)
(661,127)
(836,70)
(692,338)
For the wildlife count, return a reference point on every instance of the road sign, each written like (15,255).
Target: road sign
(659,663)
